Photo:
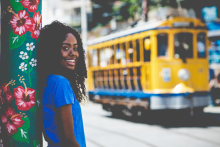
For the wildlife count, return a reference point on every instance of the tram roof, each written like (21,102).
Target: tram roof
(140,28)
(162,24)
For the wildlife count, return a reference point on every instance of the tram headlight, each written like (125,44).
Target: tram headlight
(184,74)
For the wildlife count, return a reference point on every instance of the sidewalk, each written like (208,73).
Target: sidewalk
(212,109)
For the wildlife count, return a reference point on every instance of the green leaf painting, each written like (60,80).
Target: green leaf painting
(15,40)
(22,134)
(16,5)
(36,143)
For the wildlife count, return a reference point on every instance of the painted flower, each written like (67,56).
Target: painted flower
(23,55)
(37,25)
(31,5)
(5,94)
(33,62)
(24,98)
(21,22)
(30,46)
(12,121)
(23,66)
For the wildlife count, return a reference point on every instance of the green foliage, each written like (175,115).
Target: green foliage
(105,10)
(15,40)
(22,134)
(127,8)
(16,5)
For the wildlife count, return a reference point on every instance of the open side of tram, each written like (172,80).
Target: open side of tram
(156,66)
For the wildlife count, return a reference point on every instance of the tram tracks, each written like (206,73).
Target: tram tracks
(145,142)
(195,137)
(121,134)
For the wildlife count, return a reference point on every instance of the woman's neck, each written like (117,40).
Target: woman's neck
(65,73)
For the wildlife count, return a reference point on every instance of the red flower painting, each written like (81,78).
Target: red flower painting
(21,22)
(5,94)
(37,25)
(31,5)
(24,98)
(12,121)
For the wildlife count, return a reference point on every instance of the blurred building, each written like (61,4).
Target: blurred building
(210,14)
(66,11)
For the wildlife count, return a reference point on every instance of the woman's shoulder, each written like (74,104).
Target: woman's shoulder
(52,78)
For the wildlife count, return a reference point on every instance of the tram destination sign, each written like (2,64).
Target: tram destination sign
(182,24)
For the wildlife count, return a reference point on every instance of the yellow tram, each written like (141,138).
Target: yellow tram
(158,65)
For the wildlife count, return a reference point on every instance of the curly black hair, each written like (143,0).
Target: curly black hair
(49,55)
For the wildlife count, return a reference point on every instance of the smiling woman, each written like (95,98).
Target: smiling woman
(69,52)
(62,72)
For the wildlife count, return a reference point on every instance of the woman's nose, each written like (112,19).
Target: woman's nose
(72,52)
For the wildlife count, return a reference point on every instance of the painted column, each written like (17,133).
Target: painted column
(20,24)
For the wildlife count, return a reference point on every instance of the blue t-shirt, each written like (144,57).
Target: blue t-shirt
(56,93)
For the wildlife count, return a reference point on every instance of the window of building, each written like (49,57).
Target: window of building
(201,45)
(214,51)
(162,45)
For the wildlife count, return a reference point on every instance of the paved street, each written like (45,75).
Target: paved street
(103,130)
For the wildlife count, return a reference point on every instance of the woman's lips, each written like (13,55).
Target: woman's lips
(71,62)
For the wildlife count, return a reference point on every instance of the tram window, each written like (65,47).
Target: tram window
(108,55)
(138,78)
(131,79)
(112,55)
(113,75)
(138,49)
(130,52)
(201,45)
(118,53)
(103,61)
(94,79)
(119,79)
(183,46)
(108,78)
(123,59)
(162,44)
(146,51)
(94,58)
(102,79)
(125,73)
(99,79)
